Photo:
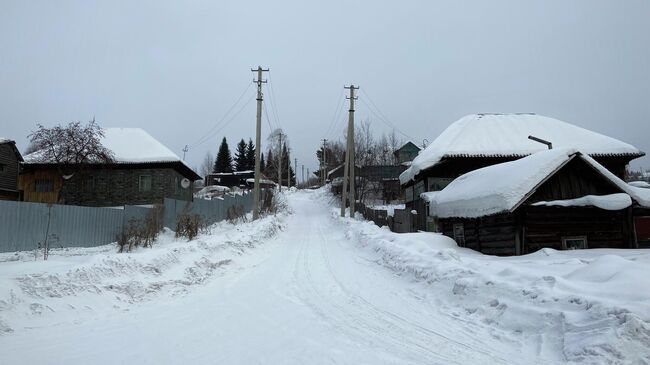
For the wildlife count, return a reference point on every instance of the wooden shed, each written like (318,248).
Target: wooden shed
(560,199)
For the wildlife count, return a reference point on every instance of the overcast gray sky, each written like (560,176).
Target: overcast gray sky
(174,68)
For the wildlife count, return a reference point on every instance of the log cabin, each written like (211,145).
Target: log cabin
(480,140)
(10,159)
(143,172)
(560,198)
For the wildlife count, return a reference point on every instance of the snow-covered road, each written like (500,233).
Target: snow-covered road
(307,297)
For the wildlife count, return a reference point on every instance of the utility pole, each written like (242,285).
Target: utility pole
(185,149)
(307,177)
(288,170)
(258,141)
(303,175)
(295,170)
(349,157)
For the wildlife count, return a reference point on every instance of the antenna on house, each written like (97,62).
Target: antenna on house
(542,141)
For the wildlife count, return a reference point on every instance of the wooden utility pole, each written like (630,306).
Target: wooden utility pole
(258,141)
(288,170)
(349,157)
(295,170)
(303,175)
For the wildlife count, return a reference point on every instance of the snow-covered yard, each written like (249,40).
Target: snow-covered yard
(311,287)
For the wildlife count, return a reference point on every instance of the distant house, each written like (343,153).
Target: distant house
(144,172)
(480,140)
(10,160)
(406,153)
(229,179)
(558,198)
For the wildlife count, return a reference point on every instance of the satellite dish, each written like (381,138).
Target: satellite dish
(185,183)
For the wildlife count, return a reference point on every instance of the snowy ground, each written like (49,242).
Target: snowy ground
(313,288)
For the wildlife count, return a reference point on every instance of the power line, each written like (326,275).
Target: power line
(208,137)
(339,106)
(381,115)
(202,139)
(386,122)
(273,104)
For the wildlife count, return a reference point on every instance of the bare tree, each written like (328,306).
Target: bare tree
(72,145)
(207,164)
(70,148)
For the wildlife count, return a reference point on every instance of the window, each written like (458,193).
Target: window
(437,183)
(459,234)
(408,194)
(574,243)
(43,186)
(145,183)
(418,189)
(3,167)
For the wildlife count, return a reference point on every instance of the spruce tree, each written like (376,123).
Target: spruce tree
(223,163)
(250,155)
(241,162)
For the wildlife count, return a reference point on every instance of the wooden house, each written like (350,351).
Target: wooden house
(229,179)
(406,153)
(10,159)
(558,198)
(480,140)
(143,172)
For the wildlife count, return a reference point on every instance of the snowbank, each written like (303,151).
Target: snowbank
(607,202)
(585,306)
(78,283)
(484,135)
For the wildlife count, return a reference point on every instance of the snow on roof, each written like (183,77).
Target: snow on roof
(640,184)
(245,172)
(130,145)
(5,140)
(497,188)
(502,187)
(498,135)
(616,201)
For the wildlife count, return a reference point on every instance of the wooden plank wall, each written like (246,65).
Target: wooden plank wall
(545,227)
(492,235)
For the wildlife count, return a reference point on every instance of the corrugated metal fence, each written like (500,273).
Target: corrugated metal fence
(25,226)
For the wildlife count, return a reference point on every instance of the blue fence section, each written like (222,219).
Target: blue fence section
(211,211)
(25,226)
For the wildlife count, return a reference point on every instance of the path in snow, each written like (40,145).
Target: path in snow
(308,297)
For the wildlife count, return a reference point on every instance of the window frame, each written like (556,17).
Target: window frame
(575,238)
(141,186)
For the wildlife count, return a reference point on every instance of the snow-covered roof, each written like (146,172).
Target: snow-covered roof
(616,201)
(506,135)
(640,184)
(130,146)
(5,140)
(245,172)
(503,187)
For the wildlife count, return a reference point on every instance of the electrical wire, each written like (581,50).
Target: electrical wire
(381,115)
(203,138)
(234,116)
